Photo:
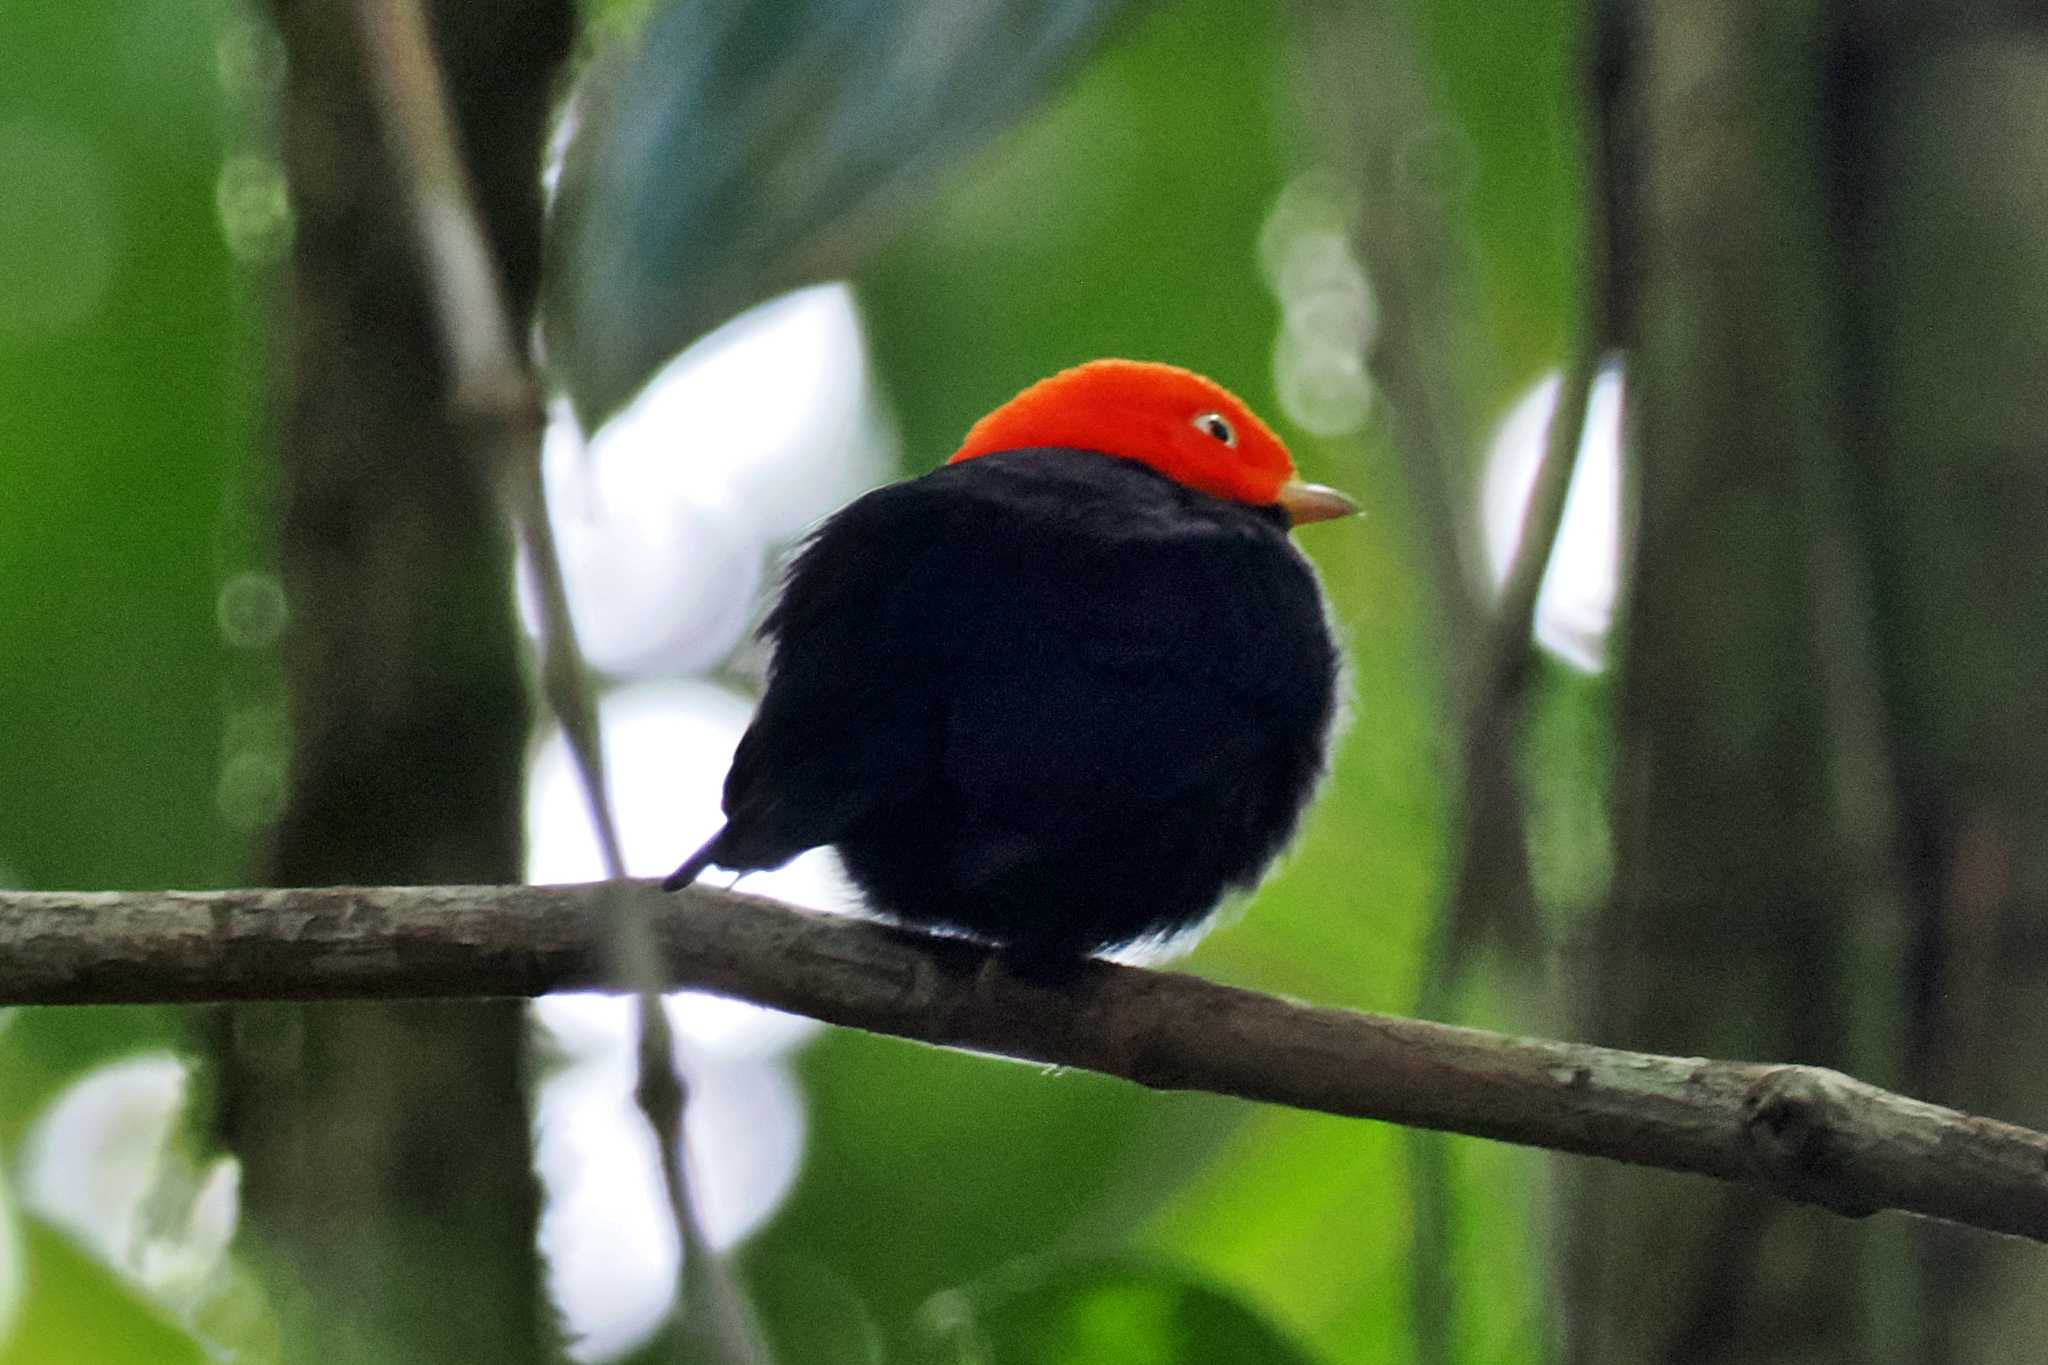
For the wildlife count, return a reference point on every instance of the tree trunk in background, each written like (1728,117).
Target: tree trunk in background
(1832,812)
(1726,932)
(1951,213)
(388,1186)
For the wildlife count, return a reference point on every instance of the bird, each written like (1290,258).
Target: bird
(1064,694)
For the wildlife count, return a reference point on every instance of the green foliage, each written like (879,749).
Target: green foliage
(1081,1312)
(1508,80)
(75,1309)
(125,413)
(725,153)
(123,410)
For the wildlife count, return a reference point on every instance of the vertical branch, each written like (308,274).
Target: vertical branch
(1501,654)
(386,1148)
(1940,158)
(1612,56)
(495,397)
(1726,735)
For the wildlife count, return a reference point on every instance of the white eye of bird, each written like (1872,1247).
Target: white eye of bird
(1216,425)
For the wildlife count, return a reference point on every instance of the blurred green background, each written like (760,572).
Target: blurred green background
(1274,194)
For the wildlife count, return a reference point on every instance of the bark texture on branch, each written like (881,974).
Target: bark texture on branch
(1807,1133)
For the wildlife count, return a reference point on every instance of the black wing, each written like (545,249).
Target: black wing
(849,721)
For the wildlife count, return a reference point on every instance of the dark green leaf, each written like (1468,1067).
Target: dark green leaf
(1085,1312)
(811,1314)
(927,1167)
(735,150)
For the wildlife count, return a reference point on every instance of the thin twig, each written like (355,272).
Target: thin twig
(1492,704)
(1365,92)
(1508,641)
(495,394)
(487,372)
(1807,1133)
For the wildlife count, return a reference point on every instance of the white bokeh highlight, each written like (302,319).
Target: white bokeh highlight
(667,746)
(666,522)
(611,1254)
(605,1232)
(1575,607)
(1329,314)
(665,519)
(105,1163)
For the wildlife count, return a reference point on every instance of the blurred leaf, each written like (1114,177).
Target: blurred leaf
(735,150)
(1085,1312)
(77,1310)
(1308,1214)
(927,1167)
(812,1315)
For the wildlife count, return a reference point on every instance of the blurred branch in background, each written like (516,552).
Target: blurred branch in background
(1367,98)
(388,1190)
(1936,162)
(495,402)
(1806,1133)
(1366,94)
(1750,912)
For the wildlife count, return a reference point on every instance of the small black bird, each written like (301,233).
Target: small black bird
(1062,694)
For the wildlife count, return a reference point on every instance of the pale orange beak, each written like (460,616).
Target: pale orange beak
(1307,502)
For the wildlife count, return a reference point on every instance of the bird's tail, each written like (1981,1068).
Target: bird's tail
(693,866)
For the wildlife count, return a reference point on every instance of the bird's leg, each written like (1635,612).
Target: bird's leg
(1058,966)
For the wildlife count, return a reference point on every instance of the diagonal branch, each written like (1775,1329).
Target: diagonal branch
(1807,1133)
(494,394)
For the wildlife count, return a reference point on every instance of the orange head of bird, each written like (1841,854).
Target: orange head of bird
(1191,429)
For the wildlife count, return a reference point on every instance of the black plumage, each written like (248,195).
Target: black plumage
(1046,697)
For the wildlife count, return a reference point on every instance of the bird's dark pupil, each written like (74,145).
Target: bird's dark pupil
(1220,429)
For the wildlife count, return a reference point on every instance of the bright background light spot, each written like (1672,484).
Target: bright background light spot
(104,1163)
(97,1151)
(666,517)
(605,1226)
(1328,313)
(605,1231)
(666,521)
(666,748)
(1575,608)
